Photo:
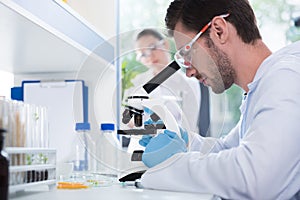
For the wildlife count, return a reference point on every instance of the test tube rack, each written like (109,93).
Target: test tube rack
(31,167)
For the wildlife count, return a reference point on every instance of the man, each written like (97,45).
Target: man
(153,51)
(260,157)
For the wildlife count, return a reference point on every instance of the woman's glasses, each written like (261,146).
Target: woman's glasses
(145,53)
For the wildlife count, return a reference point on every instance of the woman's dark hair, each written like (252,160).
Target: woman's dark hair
(151,32)
(195,14)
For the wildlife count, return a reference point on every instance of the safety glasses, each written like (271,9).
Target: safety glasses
(183,56)
(148,50)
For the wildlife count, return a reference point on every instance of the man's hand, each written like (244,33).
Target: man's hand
(146,138)
(150,121)
(161,147)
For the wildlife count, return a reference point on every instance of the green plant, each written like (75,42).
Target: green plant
(130,69)
(29,159)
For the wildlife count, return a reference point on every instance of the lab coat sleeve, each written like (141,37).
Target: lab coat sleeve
(266,163)
(213,145)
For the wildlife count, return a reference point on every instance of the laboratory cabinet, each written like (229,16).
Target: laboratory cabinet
(48,41)
(46,36)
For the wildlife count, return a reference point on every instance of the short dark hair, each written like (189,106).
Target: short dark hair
(152,32)
(194,14)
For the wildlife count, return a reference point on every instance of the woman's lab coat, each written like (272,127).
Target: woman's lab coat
(260,157)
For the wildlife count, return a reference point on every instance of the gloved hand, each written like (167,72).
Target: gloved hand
(150,124)
(150,121)
(146,138)
(161,147)
(154,118)
(184,135)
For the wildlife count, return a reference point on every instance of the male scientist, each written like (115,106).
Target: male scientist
(220,45)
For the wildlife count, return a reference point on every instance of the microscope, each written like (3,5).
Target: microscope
(135,109)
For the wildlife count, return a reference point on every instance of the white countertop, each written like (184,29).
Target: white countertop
(111,192)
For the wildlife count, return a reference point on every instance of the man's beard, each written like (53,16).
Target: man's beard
(224,73)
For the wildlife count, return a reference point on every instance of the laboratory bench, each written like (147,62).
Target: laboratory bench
(116,191)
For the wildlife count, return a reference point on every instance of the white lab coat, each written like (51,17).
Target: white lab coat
(260,157)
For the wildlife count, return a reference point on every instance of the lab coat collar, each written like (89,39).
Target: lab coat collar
(262,69)
(270,61)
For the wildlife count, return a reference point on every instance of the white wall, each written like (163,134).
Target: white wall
(7,82)
(100,13)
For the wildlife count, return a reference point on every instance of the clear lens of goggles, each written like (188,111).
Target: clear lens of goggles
(183,58)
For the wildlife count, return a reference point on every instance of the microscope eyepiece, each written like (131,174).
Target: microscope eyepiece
(157,80)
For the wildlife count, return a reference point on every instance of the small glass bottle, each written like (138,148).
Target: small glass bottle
(81,146)
(109,149)
(4,163)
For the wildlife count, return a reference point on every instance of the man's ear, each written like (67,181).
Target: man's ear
(219,29)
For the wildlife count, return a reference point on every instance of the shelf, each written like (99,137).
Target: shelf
(46,36)
(30,167)
(14,150)
(20,187)
(40,171)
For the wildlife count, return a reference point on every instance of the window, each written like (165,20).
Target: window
(138,14)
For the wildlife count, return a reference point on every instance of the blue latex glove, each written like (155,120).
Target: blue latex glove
(148,111)
(184,135)
(150,121)
(146,138)
(162,147)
